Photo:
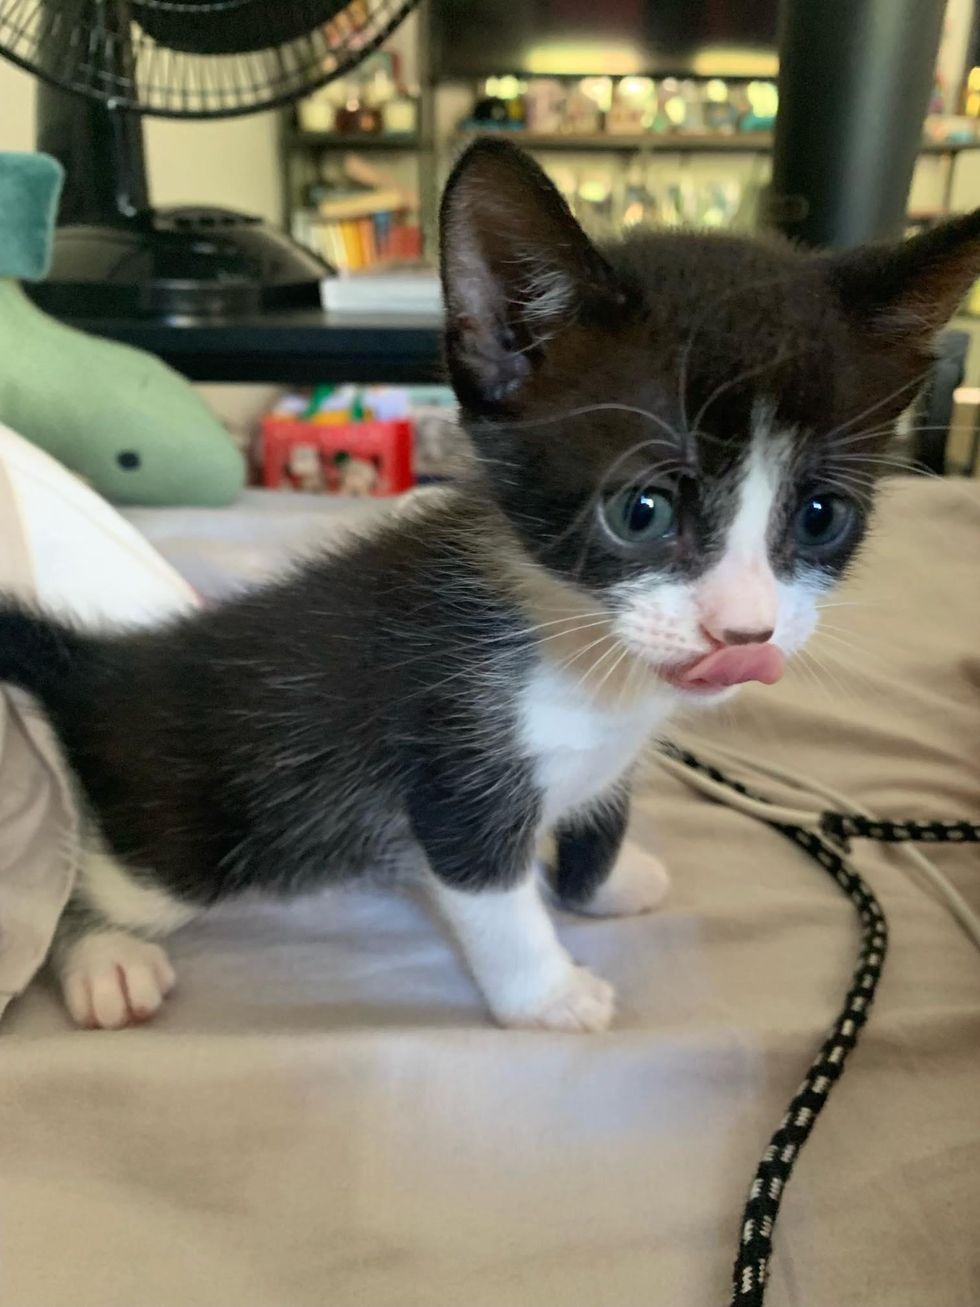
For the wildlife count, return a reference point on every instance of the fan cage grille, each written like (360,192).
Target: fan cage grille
(96,49)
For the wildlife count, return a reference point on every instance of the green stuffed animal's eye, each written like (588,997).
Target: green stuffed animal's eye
(640,516)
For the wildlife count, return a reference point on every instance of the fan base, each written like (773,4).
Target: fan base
(186,265)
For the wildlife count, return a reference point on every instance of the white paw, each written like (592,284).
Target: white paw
(583,1001)
(638,883)
(111,979)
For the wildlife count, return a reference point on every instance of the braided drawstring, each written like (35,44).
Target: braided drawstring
(762,1208)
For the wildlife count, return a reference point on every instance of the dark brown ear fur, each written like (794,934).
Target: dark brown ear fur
(517,269)
(908,291)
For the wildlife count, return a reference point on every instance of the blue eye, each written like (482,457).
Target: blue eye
(823,522)
(638,516)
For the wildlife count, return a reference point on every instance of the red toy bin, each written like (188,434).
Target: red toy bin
(388,445)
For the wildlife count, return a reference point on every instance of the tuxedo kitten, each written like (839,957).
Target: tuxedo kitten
(675,440)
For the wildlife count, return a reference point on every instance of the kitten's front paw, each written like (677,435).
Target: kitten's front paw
(638,883)
(582,1002)
(111,979)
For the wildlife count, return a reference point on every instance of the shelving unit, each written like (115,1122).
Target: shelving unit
(610,142)
(422,159)
(301,151)
(666,143)
(388,141)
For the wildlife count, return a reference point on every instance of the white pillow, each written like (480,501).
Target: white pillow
(86,560)
(63,546)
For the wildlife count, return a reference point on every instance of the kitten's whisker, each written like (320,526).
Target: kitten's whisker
(848,484)
(889,428)
(801,663)
(472,668)
(843,689)
(610,671)
(561,635)
(634,678)
(835,637)
(873,460)
(608,406)
(873,408)
(881,460)
(833,687)
(580,653)
(847,603)
(511,636)
(597,663)
(737,380)
(915,472)
(517,636)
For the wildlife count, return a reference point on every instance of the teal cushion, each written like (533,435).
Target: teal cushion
(30,185)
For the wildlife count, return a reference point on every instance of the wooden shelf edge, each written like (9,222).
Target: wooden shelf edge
(341,141)
(746,142)
(679,143)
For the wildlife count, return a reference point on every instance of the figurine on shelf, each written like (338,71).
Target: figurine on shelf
(357,477)
(306,470)
(544,105)
(720,110)
(763,101)
(633,107)
(583,116)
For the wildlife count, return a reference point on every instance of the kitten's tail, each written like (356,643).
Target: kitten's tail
(42,656)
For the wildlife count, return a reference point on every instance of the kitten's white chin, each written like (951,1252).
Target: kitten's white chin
(704,696)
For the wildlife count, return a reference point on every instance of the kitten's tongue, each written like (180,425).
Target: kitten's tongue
(733,666)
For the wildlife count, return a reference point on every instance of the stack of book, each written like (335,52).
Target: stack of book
(363,229)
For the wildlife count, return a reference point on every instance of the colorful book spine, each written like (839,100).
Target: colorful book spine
(382,234)
(333,249)
(352,244)
(367,241)
(369,253)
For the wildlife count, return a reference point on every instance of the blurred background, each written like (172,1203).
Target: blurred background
(642,111)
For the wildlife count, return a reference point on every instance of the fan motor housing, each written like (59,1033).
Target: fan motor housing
(104,64)
(184,264)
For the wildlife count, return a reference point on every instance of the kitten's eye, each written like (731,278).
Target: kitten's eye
(638,516)
(822,523)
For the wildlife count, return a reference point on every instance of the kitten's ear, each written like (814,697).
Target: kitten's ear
(907,291)
(516,270)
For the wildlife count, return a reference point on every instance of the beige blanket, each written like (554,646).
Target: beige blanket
(38,822)
(324,1118)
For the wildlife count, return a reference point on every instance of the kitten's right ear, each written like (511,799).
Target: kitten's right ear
(905,292)
(516,270)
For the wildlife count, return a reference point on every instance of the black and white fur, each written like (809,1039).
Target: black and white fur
(482,671)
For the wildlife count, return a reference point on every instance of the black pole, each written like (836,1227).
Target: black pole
(101,151)
(854,83)
(99,145)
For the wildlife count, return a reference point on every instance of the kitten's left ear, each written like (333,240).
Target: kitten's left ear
(906,292)
(516,270)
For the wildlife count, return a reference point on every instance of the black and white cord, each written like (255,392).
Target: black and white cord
(824,836)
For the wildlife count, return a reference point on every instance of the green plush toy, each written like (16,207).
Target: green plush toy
(128,424)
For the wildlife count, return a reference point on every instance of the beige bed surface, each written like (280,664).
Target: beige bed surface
(324,1116)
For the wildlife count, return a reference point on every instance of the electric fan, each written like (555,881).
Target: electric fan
(103,64)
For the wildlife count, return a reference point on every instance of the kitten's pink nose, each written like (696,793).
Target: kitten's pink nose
(738,603)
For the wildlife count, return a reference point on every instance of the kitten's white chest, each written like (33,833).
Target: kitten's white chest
(578,748)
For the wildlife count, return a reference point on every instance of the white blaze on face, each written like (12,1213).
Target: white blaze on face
(738,599)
